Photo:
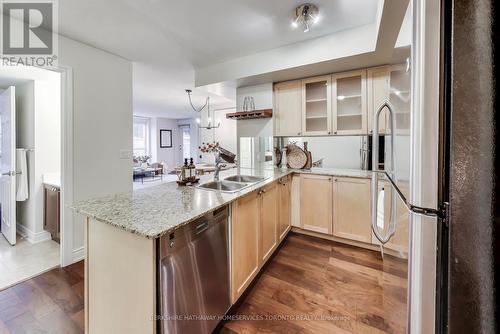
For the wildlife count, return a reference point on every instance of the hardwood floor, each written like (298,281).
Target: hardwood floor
(310,286)
(51,303)
(320,286)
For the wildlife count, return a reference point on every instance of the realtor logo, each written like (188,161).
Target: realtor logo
(28,29)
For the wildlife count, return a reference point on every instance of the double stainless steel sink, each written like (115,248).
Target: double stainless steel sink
(232,183)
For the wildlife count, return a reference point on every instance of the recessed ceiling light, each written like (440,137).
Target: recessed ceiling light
(306,16)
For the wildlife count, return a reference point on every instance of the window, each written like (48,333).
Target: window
(141,136)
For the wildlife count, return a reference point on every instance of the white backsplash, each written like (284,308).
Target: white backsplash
(336,152)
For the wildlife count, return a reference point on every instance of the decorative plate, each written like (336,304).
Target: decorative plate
(277,153)
(295,156)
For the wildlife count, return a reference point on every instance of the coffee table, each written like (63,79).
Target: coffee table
(144,173)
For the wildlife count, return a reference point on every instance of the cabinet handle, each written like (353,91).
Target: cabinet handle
(298,133)
(335,132)
(329,132)
(336,180)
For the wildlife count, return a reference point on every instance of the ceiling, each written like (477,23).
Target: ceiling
(168,40)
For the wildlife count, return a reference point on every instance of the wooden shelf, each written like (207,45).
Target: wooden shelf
(241,115)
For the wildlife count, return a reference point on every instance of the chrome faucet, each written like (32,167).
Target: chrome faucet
(218,165)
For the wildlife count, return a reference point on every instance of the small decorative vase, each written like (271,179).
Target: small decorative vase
(284,161)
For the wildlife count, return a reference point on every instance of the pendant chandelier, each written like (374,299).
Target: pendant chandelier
(210,114)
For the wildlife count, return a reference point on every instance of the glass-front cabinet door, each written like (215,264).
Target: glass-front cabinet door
(349,103)
(316,98)
(389,83)
(399,96)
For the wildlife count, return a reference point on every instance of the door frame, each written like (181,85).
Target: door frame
(11,231)
(68,255)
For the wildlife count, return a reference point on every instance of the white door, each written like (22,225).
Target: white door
(8,164)
(184,144)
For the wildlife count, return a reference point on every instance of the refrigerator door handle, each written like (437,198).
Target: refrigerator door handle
(374,184)
(441,212)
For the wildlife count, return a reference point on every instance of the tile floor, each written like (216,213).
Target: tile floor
(26,260)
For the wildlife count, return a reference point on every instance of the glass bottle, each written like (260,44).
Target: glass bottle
(192,170)
(184,170)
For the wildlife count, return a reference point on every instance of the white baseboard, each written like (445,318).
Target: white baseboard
(78,254)
(32,237)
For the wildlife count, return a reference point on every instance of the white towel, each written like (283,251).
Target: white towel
(380,210)
(22,178)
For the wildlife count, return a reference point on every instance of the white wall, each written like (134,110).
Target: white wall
(167,155)
(226,134)
(102,125)
(25,138)
(263,99)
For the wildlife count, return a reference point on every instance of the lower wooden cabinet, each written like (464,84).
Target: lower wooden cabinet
(285,206)
(245,259)
(269,221)
(351,209)
(316,203)
(254,235)
(399,242)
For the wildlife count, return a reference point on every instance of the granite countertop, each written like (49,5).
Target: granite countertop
(158,210)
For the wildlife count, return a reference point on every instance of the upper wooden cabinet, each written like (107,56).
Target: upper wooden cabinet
(349,103)
(316,106)
(378,92)
(288,108)
(351,209)
(343,103)
(400,97)
(316,203)
(391,83)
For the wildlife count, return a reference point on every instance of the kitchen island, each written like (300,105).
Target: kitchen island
(123,234)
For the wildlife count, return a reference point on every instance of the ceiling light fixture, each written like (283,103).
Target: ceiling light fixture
(209,113)
(306,16)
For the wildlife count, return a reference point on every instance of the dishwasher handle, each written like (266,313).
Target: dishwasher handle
(200,228)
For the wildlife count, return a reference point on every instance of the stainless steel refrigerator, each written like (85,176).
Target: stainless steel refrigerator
(406,207)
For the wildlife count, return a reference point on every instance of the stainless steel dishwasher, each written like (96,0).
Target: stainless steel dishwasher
(193,275)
